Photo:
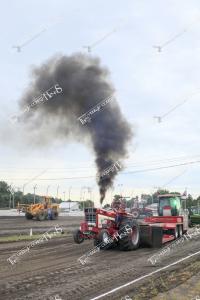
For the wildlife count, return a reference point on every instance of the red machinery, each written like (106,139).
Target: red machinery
(100,224)
(140,210)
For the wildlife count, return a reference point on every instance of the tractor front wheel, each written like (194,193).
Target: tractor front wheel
(78,239)
(28,216)
(104,240)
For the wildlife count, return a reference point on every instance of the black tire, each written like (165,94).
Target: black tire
(156,237)
(104,240)
(77,238)
(180,230)
(28,216)
(135,214)
(130,241)
(176,231)
(96,242)
(41,216)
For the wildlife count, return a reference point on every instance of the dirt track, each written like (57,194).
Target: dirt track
(19,225)
(52,268)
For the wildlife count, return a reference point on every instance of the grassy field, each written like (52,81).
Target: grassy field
(17,238)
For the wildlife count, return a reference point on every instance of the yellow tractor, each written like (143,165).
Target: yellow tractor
(42,211)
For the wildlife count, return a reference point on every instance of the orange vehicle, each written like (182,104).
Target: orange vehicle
(43,211)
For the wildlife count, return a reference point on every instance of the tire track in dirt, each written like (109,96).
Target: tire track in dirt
(52,269)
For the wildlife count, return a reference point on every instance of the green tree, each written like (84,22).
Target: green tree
(4,194)
(189,201)
(197,201)
(86,204)
(159,192)
(129,203)
(106,206)
(117,197)
(148,198)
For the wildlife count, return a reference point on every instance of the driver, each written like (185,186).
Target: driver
(119,206)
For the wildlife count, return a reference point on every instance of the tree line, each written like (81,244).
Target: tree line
(9,198)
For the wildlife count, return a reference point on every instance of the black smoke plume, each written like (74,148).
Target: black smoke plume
(79,83)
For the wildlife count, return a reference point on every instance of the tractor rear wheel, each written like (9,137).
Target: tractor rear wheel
(28,216)
(78,239)
(131,240)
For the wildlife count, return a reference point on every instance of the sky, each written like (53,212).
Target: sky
(148,83)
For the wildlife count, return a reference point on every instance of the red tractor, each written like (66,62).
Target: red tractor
(141,211)
(101,225)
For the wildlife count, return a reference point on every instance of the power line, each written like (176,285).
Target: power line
(149,162)
(164,167)
(174,37)
(35,36)
(35,177)
(173,179)
(19,47)
(90,47)
(121,173)
(160,118)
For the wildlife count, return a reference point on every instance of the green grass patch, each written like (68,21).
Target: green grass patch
(16,238)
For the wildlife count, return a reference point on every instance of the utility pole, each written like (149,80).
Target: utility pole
(111,194)
(120,191)
(82,189)
(47,190)
(57,191)
(70,191)
(90,192)
(13,197)
(81,196)
(34,188)
(10,199)
(83,206)
(23,189)
(69,196)
(64,195)
(83,199)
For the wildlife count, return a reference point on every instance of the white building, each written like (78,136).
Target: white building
(69,206)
